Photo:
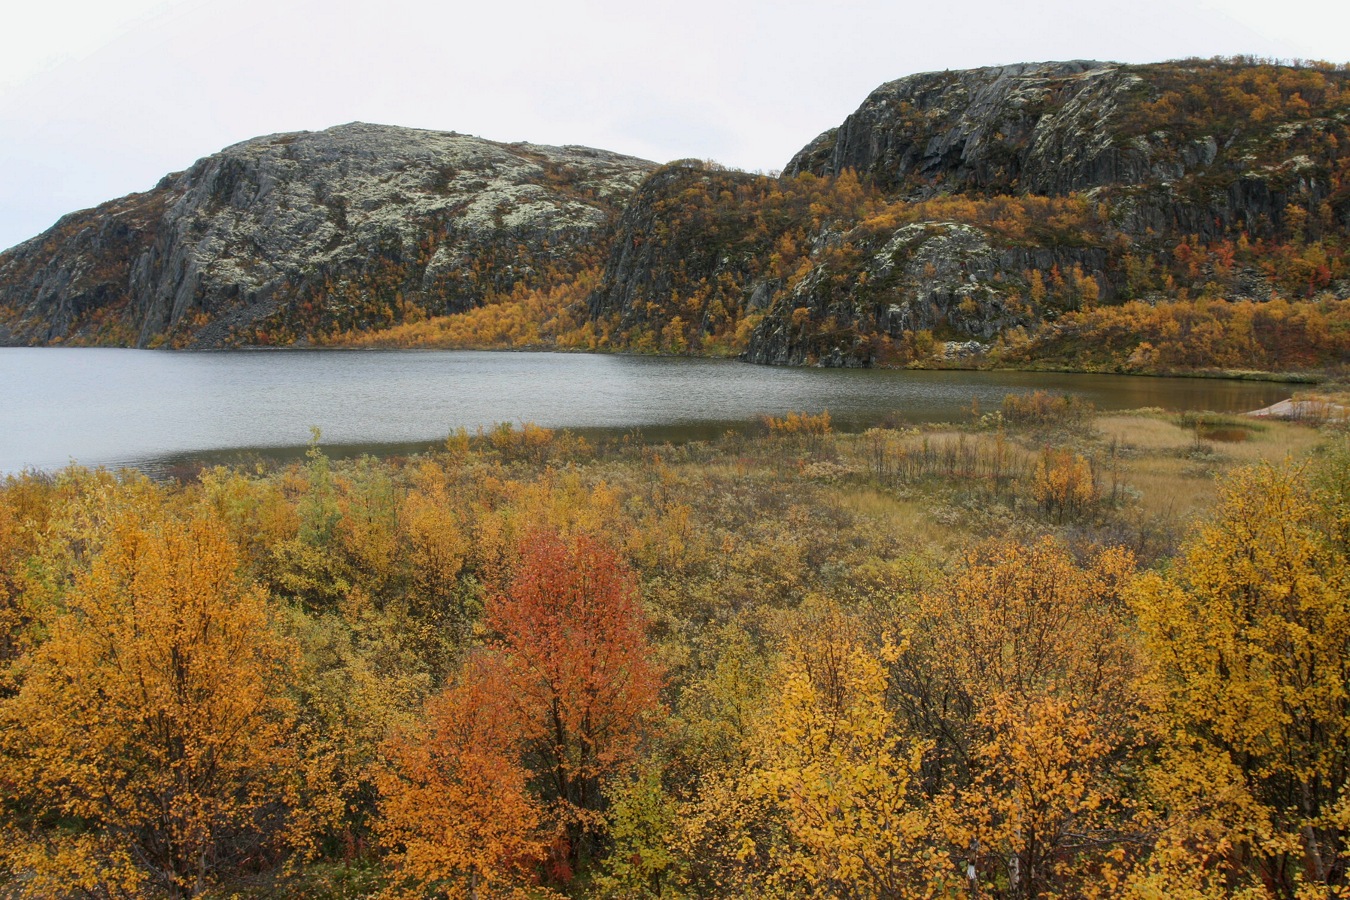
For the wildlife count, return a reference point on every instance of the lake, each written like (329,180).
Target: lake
(157,409)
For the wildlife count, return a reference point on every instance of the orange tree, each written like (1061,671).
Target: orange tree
(456,810)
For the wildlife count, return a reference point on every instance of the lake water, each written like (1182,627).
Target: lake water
(155,409)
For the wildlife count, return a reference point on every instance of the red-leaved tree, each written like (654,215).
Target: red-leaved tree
(572,633)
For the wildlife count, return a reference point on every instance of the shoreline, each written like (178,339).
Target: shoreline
(1308,377)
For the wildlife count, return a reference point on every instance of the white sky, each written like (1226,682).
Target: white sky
(102,97)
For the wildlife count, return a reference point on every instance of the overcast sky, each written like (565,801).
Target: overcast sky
(99,98)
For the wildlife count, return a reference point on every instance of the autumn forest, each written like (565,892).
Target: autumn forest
(1047,653)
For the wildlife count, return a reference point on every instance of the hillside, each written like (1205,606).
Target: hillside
(294,236)
(1080,214)
(960,212)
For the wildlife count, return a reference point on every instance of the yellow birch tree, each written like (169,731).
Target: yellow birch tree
(1248,641)
(837,775)
(150,737)
(1019,676)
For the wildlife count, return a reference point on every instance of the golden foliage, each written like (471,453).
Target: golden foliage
(1020,675)
(795,423)
(1044,807)
(455,809)
(154,718)
(1248,644)
(527,316)
(835,772)
(1043,408)
(1009,746)
(1180,335)
(1064,484)
(1030,620)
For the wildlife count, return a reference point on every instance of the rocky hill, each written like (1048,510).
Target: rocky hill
(1200,148)
(956,208)
(954,217)
(296,236)
(1048,128)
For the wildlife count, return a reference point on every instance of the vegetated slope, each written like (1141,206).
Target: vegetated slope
(831,270)
(299,236)
(979,205)
(793,642)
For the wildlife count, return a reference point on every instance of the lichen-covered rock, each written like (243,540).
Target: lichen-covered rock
(941,277)
(1192,148)
(282,237)
(1040,126)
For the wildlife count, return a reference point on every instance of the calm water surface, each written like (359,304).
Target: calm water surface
(154,408)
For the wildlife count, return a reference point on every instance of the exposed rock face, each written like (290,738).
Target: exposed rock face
(1044,128)
(78,272)
(679,241)
(925,277)
(1063,127)
(346,228)
(936,273)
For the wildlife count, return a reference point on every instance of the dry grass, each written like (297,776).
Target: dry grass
(1144,432)
(1173,470)
(933,491)
(1172,489)
(874,504)
(909,520)
(1275,442)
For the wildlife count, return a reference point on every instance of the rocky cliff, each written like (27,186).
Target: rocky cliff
(296,236)
(697,251)
(1225,144)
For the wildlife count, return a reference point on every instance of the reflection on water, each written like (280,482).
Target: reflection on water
(151,408)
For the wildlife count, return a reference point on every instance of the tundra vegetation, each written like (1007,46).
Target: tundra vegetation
(1046,653)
